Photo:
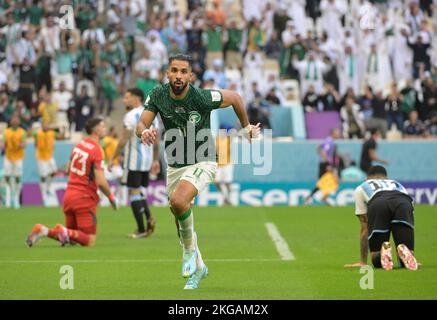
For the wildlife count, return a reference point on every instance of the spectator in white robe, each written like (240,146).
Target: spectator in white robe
(296,11)
(348,71)
(253,66)
(157,49)
(332,12)
(94,34)
(311,71)
(402,53)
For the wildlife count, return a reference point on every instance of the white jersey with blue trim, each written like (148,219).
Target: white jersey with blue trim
(369,188)
(137,156)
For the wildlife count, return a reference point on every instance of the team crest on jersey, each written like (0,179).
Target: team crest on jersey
(194,117)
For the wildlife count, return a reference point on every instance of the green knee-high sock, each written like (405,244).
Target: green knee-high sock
(186,229)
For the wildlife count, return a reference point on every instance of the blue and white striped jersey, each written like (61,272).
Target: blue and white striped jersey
(137,156)
(369,188)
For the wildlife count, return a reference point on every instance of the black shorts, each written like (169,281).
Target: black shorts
(136,179)
(322,168)
(387,208)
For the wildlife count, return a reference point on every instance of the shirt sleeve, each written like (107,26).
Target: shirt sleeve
(128,123)
(155,123)
(212,98)
(98,158)
(360,204)
(150,105)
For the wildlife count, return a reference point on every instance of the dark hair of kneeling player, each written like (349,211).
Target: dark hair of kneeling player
(376,172)
(91,124)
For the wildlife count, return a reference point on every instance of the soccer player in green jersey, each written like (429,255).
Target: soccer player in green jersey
(185,112)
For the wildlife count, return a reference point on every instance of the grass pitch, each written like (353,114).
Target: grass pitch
(242,259)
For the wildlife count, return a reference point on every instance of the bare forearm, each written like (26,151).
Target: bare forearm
(104,187)
(156,150)
(364,247)
(139,129)
(240,111)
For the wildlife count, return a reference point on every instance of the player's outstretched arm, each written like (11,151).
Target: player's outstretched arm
(364,243)
(231,98)
(103,185)
(144,131)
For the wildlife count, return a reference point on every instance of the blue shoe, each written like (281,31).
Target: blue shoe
(189,263)
(193,282)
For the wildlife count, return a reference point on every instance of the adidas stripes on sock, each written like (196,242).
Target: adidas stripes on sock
(186,229)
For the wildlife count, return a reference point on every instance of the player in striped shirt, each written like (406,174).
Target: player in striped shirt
(139,161)
(384,207)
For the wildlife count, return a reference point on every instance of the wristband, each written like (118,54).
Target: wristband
(248,128)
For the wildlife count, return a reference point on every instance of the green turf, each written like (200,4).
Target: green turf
(322,239)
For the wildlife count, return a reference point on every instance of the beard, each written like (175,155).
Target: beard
(178,90)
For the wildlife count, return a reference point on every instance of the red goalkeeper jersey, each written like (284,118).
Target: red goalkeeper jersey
(86,156)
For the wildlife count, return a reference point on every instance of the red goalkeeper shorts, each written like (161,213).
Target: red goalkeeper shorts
(80,212)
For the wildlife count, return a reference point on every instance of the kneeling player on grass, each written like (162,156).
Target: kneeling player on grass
(185,111)
(81,198)
(384,207)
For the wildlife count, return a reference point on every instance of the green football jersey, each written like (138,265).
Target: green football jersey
(187,123)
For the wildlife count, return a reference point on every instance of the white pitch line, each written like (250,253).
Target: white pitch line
(130,261)
(279,241)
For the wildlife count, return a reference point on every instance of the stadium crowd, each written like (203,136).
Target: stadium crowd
(373,62)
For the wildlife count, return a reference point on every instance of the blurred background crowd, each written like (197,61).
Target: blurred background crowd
(372,62)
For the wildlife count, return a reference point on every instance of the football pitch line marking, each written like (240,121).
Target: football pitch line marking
(130,261)
(279,241)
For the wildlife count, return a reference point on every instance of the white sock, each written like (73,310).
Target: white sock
(17,192)
(13,188)
(225,193)
(186,230)
(48,183)
(43,188)
(11,194)
(199,261)
(45,230)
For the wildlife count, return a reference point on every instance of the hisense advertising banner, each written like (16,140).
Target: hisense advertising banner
(242,194)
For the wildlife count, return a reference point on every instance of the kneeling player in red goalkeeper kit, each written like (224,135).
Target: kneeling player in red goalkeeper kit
(80,200)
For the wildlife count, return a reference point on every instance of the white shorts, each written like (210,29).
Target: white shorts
(200,175)
(225,174)
(115,174)
(46,167)
(13,168)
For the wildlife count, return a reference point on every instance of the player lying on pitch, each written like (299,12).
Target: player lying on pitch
(384,207)
(80,200)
